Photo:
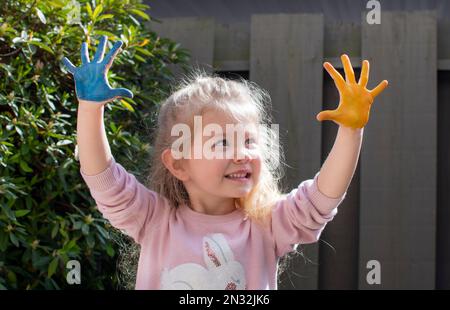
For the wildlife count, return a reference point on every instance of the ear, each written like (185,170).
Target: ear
(175,166)
(216,251)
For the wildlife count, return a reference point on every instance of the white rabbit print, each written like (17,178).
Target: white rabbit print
(222,272)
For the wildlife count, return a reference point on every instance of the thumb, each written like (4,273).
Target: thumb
(326,115)
(122,92)
(69,65)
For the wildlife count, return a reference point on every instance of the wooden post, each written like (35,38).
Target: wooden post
(398,162)
(193,33)
(286,54)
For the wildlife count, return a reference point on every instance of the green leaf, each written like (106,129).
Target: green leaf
(109,250)
(55,230)
(105,16)
(12,277)
(14,239)
(113,126)
(110,35)
(102,231)
(25,166)
(64,142)
(9,69)
(42,45)
(6,143)
(55,135)
(139,58)
(41,16)
(140,14)
(52,267)
(144,51)
(20,213)
(126,105)
(7,209)
(69,245)
(85,229)
(56,3)
(97,11)
(77,225)
(19,131)
(89,9)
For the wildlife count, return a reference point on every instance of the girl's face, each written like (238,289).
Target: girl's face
(237,172)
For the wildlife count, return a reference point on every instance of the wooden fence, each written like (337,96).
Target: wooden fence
(397,209)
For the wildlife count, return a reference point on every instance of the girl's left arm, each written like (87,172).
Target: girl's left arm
(351,115)
(301,216)
(337,171)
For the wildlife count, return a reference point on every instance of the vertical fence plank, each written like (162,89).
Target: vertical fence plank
(398,163)
(338,247)
(286,53)
(193,33)
(232,47)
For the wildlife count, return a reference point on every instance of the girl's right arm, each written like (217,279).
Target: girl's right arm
(93,92)
(93,147)
(125,202)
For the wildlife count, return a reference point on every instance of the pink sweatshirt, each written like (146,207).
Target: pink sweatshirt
(184,249)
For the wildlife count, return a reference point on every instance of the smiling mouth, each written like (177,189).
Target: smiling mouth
(238,176)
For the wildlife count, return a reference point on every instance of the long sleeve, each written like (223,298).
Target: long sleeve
(301,216)
(126,203)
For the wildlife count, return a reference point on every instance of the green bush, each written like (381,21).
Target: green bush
(47,215)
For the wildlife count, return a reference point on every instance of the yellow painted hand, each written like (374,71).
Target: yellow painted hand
(355,99)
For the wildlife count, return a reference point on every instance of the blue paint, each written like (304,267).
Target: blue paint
(91,82)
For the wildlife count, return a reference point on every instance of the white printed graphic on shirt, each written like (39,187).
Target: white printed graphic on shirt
(223,273)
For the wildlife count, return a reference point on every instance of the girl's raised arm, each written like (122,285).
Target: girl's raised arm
(126,203)
(93,92)
(351,115)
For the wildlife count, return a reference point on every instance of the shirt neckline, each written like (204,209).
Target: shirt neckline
(188,213)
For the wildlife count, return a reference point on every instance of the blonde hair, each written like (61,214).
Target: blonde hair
(197,93)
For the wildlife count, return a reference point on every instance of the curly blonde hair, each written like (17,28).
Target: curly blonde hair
(240,99)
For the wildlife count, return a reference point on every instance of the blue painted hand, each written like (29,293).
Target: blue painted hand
(91,83)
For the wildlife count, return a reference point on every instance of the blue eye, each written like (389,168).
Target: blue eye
(250,140)
(222,142)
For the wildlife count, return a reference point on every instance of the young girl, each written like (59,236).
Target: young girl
(221,222)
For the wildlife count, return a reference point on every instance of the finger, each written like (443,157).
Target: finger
(335,75)
(327,115)
(100,49)
(84,53)
(122,92)
(364,78)
(377,90)
(349,74)
(112,53)
(69,65)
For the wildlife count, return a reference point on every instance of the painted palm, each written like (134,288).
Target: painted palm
(91,83)
(355,99)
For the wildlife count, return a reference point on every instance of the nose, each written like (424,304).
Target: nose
(242,155)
